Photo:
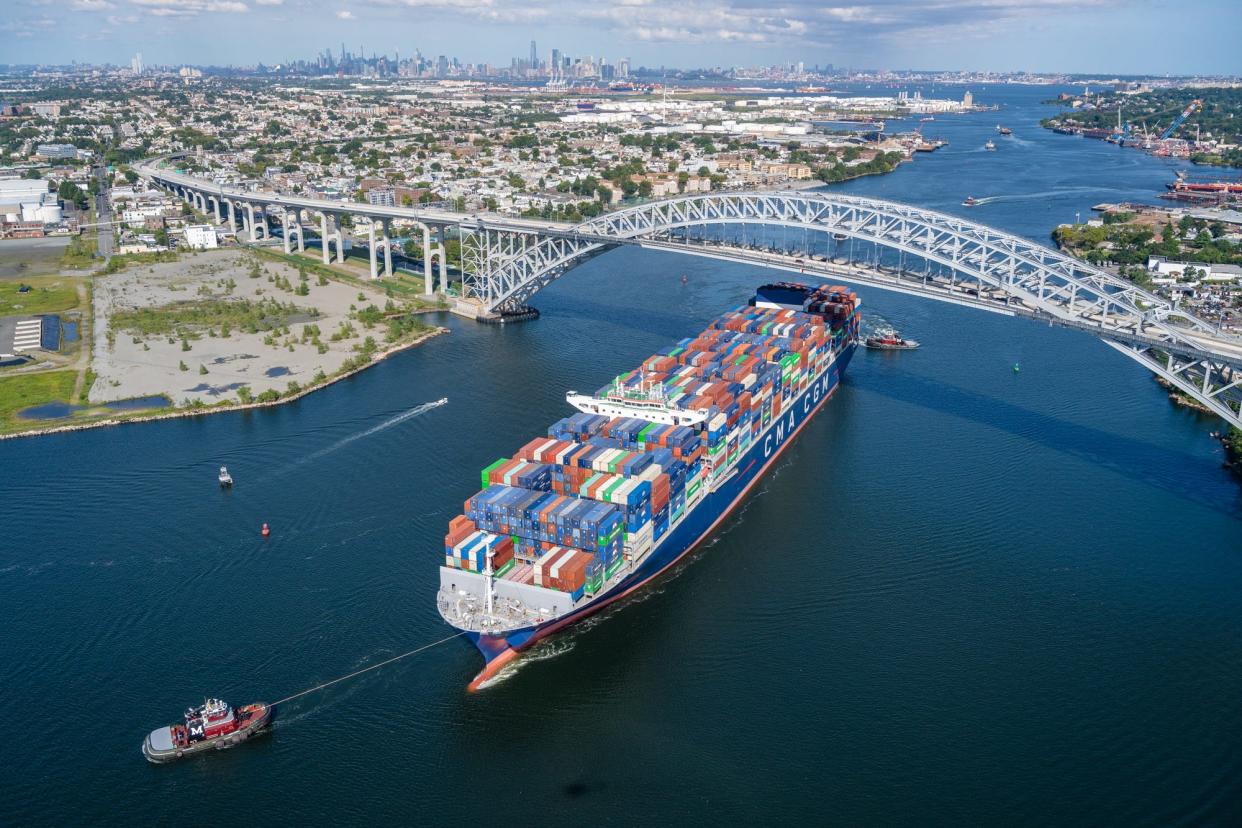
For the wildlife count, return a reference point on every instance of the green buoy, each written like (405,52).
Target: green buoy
(1016,368)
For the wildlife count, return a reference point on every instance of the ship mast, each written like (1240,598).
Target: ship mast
(487,574)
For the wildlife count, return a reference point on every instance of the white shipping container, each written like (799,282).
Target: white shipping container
(560,562)
(621,494)
(544,446)
(545,561)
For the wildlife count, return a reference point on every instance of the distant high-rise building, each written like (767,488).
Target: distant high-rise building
(623,68)
(554,68)
(136,64)
(534,56)
(442,67)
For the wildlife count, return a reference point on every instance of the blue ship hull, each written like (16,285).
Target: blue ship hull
(693,528)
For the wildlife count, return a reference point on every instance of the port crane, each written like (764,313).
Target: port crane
(1186,113)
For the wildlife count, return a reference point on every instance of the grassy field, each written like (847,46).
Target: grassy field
(118,263)
(24,390)
(243,314)
(80,253)
(50,294)
(402,287)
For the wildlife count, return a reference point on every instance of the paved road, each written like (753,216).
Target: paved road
(103,213)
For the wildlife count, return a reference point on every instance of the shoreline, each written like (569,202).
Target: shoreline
(220,409)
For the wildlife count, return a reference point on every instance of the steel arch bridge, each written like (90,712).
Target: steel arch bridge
(505,263)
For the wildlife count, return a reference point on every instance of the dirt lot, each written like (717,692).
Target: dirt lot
(212,328)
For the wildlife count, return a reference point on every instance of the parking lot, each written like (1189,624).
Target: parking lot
(19,334)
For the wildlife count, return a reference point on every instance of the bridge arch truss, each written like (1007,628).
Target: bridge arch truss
(503,266)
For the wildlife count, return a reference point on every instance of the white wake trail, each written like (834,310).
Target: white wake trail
(389,423)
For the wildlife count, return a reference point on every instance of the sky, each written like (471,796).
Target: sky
(1080,36)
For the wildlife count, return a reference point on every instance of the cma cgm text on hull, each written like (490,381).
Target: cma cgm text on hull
(650,465)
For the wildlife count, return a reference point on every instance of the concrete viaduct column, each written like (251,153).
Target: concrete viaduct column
(388,248)
(285,235)
(443,256)
(250,221)
(371,247)
(267,233)
(323,236)
(428,282)
(232,216)
(296,228)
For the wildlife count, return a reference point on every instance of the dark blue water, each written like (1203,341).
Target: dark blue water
(58,410)
(966,596)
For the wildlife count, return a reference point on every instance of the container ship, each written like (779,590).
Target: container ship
(615,494)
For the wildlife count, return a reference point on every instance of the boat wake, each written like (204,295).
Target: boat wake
(543,651)
(375,429)
(1046,194)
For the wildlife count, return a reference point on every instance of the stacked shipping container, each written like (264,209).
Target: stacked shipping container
(561,512)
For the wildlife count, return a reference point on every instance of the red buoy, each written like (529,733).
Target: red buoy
(266,531)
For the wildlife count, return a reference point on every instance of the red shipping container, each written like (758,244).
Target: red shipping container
(527,452)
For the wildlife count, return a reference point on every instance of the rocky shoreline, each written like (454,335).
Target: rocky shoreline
(225,407)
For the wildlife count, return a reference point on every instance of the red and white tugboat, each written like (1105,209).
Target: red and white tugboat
(887,339)
(214,725)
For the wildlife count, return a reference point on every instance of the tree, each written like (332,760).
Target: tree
(644,188)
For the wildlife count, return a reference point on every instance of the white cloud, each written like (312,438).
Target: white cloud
(91,5)
(345,14)
(188,8)
(773,22)
(269,2)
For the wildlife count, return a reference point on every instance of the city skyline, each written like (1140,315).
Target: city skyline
(974,35)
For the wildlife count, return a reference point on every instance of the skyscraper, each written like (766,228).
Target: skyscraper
(136,64)
(534,56)
(554,68)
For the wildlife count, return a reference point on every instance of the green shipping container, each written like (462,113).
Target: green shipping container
(511,563)
(484,474)
(606,493)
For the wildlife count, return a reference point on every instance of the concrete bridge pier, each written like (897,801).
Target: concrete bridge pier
(285,235)
(371,248)
(296,228)
(387,248)
(329,230)
(232,216)
(433,253)
(215,206)
(266,232)
(323,237)
(443,263)
(250,221)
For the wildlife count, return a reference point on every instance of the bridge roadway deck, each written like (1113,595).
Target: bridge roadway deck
(435,218)
(963,292)
(998,272)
